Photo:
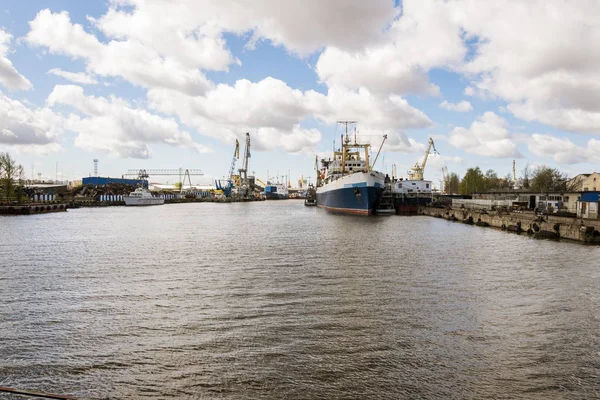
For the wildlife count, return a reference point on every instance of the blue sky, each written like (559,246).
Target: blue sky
(169,85)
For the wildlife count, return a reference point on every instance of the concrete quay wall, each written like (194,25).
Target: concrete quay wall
(546,226)
(32,208)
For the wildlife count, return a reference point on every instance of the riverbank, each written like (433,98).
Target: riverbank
(56,206)
(527,222)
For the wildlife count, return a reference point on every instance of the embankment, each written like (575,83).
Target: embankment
(527,222)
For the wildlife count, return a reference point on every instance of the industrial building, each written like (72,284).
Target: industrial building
(559,201)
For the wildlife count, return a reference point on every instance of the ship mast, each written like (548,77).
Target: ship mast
(345,144)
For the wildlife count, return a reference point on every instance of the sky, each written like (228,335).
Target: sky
(172,84)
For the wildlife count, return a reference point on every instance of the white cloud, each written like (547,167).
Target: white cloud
(23,127)
(463,106)
(76,77)
(555,80)
(399,142)
(424,37)
(277,110)
(269,109)
(487,136)
(544,62)
(377,70)
(186,35)
(563,150)
(130,59)
(9,76)
(113,126)
(570,119)
(193,29)
(372,54)
(150,50)
(383,113)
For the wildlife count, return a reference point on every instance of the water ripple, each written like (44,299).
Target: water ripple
(276,300)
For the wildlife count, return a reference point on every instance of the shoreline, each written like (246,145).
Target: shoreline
(538,226)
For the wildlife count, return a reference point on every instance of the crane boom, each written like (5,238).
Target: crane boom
(378,151)
(418,170)
(244,185)
(427,154)
(236,156)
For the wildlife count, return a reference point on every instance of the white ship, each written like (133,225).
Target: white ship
(347,183)
(142,197)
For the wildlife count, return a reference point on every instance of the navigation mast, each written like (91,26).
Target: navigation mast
(344,145)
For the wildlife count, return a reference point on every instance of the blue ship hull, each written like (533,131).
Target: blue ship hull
(354,200)
(275,196)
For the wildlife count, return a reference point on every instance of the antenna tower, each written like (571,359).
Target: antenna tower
(346,123)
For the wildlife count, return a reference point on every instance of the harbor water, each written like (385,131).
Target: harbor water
(276,300)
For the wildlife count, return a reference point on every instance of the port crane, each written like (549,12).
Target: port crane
(416,173)
(182,173)
(236,156)
(244,188)
(231,178)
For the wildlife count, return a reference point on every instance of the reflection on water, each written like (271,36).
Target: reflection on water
(278,300)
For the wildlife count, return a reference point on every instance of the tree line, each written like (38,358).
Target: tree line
(540,179)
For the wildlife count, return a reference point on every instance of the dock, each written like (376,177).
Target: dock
(540,226)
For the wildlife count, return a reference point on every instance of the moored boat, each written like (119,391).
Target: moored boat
(276,191)
(311,197)
(410,194)
(347,183)
(142,197)
(413,192)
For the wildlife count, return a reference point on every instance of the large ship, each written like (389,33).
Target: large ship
(142,197)
(347,183)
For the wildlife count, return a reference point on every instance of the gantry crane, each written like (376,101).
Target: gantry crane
(416,173)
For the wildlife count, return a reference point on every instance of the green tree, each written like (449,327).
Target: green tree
(452,183)
(508,182)
(178,185)
(492,182)
(473,181)
(546,179)
(10,172)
